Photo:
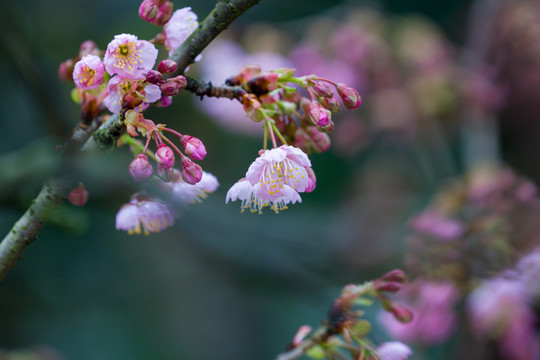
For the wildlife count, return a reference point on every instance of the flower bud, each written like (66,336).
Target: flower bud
(164,13)
(78,196)
(262,84)
(251,107)
(88,47)
(312,180)
(396,275)
(153,77)
(194,147)
(402,314)
(318,114)
(65,70)
(148,10)
(164,101)
(332,104)
(191,172)
(140,168)
(323,89)
(387,286)
(301,140)
(320,141)
(165,155)
(180,80)
(167,66)
(169,88)
(350,97)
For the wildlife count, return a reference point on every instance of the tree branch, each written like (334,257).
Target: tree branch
(56,190)
(203,88)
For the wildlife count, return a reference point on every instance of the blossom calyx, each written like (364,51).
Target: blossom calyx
(191,172)
(165,155)
(140,168)
(194,147)
(351,98)
(252,107)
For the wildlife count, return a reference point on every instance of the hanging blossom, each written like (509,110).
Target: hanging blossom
(244,192)
(181,24)
(88,72)
(130,92)
(185,193)
(146,214)
(129,57)
(393,350)
(279,172)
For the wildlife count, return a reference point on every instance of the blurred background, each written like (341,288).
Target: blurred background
(435,174)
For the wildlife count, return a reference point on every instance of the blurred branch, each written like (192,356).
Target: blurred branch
(56,190)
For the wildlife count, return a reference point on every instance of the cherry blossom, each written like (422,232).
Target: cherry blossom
(181,24)
(129,57)
(88,72)
(146,214)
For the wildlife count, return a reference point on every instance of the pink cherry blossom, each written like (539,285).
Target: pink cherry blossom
(146,214)
(393,350)
(278,172)
(181,24)
(129,57)
(88,72)
(119,87)
(244,192)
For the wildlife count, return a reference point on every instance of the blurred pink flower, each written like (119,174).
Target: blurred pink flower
(434,318)
(181,24)
(146,214)
(438,225)
(393,350)
(184,193)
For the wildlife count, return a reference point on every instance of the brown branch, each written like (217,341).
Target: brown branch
(56,189)
(202,88)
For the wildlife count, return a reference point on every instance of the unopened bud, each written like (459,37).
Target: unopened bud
(153,77)
(165,155)
(252,107)
(318,114)
(164,13)
(88,47)
(191,172)
(65,70)
(262,84)
(301,140)
(351,98)
(180,80)
(140,168)
(323,89)
(320,141)
(164,101)
(396,275)
(194,147)
(169,88)
(148,10)
(388,286)
(78,196)
(402,314)
(167,66)
(332,104)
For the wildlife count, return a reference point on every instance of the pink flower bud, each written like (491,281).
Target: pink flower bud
(167,66)
(169,88)
(318,114)
(251,107)
(332,104)
(165,155)
(387,286)
(140,168)
(65,70)
(153,77)
(78,196)
(164,101)
(396,275)
(350,97)
(164,13)
(194,147)
(323,89)
(320,141)
(312,179)
(191,172)
(180,80)
(88,47)
(148,10)
(401,314)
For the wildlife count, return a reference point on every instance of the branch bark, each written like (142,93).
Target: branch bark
(56,190)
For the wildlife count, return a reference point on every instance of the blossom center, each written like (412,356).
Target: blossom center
(278,174)
(127,56)
(86,76)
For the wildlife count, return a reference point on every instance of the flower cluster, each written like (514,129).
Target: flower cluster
(278,175)
(345,331)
